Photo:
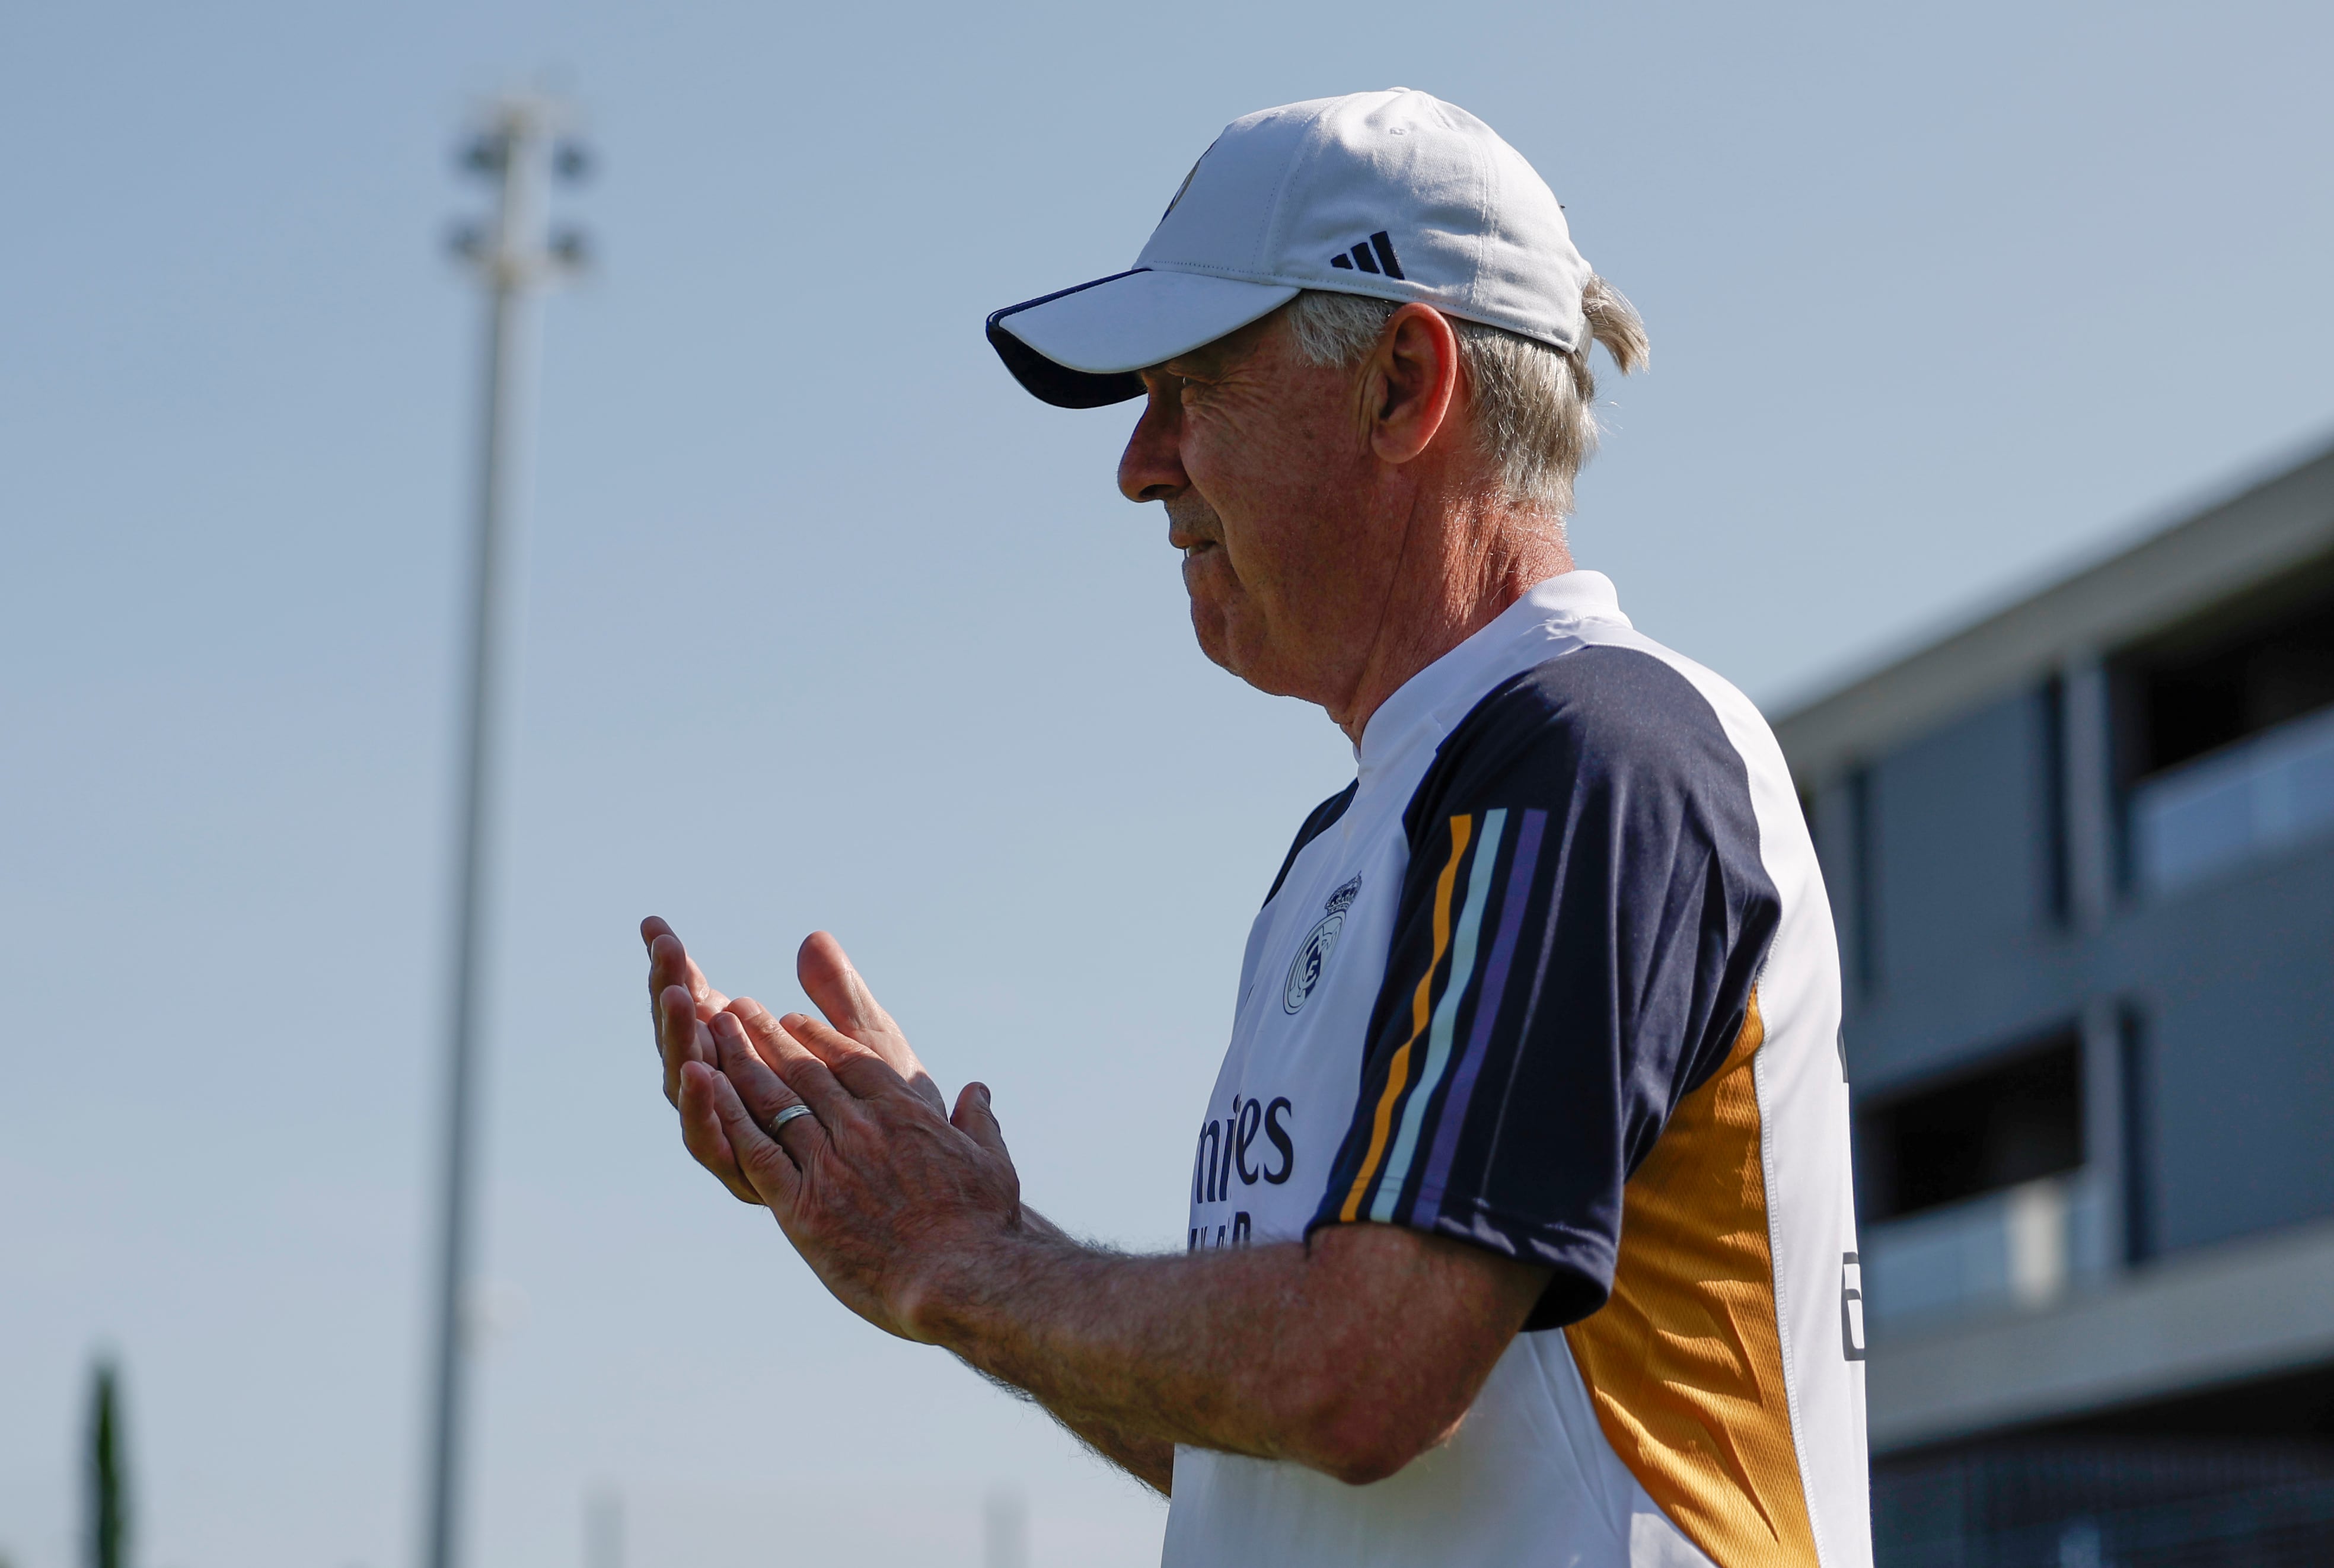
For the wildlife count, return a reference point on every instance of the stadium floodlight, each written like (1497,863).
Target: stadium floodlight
(519,141)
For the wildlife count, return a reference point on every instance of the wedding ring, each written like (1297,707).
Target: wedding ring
(787,1116)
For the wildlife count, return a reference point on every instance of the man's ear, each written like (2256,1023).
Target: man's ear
(1411,382)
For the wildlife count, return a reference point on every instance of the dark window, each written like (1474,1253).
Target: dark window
(2138,1133)
(2057,868)
(2017,1118)
(2235,670)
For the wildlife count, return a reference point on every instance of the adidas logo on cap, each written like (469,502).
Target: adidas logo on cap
(1377,255)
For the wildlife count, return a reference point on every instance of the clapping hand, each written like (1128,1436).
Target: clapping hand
(835,1127)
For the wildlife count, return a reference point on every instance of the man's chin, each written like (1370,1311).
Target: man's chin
(1215,641)
(1246,657)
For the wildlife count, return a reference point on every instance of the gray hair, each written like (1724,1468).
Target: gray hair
(1534,405)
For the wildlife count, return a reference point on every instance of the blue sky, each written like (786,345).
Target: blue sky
(819,622)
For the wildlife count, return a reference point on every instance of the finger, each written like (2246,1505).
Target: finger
(763,1092)
(667,957)
(772,1175)
(837,988)
(975,1119)
(708,1000)
(704,1134)
(787,1057)
(670,965)
(859,1069)
(667,969)
(681,1038)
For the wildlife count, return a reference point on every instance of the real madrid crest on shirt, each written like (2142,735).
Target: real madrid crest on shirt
(1305,972)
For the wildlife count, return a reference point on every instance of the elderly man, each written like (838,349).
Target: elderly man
(1520,1228)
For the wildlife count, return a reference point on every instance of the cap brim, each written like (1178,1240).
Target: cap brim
(1079,348)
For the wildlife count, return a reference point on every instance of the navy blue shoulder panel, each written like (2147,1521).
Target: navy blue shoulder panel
(1324,817)
(1587,906)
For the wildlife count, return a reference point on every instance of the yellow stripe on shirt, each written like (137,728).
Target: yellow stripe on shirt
(1422,1008)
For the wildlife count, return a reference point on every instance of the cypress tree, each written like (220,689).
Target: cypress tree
(107,1545)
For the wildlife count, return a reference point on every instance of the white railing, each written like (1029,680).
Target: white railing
(2271,788)
(2022,1247)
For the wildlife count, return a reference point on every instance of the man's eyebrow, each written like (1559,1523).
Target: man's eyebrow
(1202,364)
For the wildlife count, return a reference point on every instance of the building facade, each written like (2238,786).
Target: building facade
(2081,855)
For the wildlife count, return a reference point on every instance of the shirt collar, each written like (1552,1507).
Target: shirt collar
(1424,709)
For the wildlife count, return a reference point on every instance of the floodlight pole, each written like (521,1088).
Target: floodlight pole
(516,147)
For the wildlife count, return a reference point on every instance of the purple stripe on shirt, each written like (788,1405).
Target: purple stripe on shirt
(1429,1206)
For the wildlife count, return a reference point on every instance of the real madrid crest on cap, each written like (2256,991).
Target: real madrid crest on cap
(1305,972)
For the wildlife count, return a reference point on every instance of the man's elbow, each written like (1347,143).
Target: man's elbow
(1358,1433)
(1364,1464)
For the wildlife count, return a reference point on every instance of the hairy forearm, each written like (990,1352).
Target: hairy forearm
(1272,1351)
(1150,1460)
(1104,1340)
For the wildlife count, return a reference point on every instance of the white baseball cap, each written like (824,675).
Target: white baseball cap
(1396,195)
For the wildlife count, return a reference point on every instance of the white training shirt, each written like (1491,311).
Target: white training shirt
(1556,976)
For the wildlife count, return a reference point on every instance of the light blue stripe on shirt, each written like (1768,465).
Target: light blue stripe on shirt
(1446,1016)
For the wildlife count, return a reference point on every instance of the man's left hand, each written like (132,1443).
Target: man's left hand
(877,1188)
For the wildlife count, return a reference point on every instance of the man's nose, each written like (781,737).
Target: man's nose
(1151,470)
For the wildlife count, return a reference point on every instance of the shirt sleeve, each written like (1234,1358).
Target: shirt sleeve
(1580,926)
